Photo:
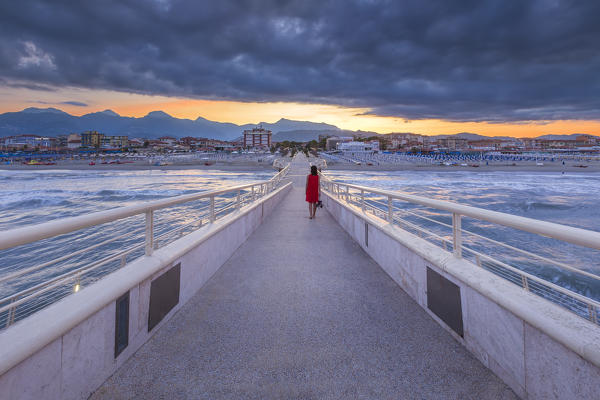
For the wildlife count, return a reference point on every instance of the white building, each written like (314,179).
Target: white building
(332,142)
(74,141)
(169,140)
(359,147)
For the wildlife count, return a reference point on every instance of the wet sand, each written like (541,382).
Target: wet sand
(142,165)
(247,165)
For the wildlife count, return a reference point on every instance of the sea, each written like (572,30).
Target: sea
(568,199)
(33,197)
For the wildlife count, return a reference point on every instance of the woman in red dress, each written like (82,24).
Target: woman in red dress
(312,191)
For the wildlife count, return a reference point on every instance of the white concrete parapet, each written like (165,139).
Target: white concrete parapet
(541,350)
(67,350)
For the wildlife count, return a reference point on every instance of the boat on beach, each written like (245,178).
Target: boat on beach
(35,162)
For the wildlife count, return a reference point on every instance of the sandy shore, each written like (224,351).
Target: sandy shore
(245,165)
(517,167)
(141,165)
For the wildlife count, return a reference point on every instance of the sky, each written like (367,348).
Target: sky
(494,67)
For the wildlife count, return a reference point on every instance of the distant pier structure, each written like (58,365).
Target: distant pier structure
(257,138)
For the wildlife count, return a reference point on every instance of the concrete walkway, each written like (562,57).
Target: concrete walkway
(301,312)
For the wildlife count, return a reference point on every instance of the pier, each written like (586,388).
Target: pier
(271,304)
(301,311)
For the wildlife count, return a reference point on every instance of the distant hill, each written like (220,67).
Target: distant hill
(562,137)
(53,122)
(307,135)
(297,135)
(287,125)
(473,136)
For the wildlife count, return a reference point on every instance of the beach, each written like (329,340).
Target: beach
(517,166)
(233,164)
(144,165)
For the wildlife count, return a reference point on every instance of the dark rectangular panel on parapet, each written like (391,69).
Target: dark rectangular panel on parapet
(443,298)
(121,323)
(164,295)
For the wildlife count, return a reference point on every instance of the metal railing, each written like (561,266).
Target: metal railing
(72,276)
(395,208)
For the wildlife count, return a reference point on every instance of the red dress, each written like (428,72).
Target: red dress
(312,189)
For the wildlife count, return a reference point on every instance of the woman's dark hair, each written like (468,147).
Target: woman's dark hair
(313,170)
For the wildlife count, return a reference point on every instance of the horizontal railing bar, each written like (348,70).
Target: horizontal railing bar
(80,270)
(31,307)
(84,269)
(504,266)
(525,252)
(499,265)
(536,279)
(507,246)
(508,267)
(36,294)
(19,236)
(94,265)
(578,236)
(75,223)
(65,257)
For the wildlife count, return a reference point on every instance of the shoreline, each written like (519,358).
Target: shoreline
(77,165)
(457,168)
(140,166)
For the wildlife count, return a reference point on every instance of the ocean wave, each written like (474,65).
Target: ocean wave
(28,202)
(529,205)
(111,195)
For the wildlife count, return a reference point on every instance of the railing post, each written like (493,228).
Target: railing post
(77,284)
(238,201)
(593,313)
(212,208)
(253,198)
(149,232)
(457,235)
(347,194)
(10,317)
(362,200)
(390,210)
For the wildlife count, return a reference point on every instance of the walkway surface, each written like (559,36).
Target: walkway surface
(300,311)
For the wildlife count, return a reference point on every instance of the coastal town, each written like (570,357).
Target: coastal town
(262,139)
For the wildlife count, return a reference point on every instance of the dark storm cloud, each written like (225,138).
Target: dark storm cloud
(69,103)
(26,85)
(74,103)
(485,60)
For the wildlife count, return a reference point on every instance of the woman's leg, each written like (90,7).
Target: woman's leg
(309,210)
(314,209)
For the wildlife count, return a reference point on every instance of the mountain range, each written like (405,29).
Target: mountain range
(54,122)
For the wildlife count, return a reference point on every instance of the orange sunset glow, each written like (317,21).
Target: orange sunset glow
(136,105)
(348,118)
